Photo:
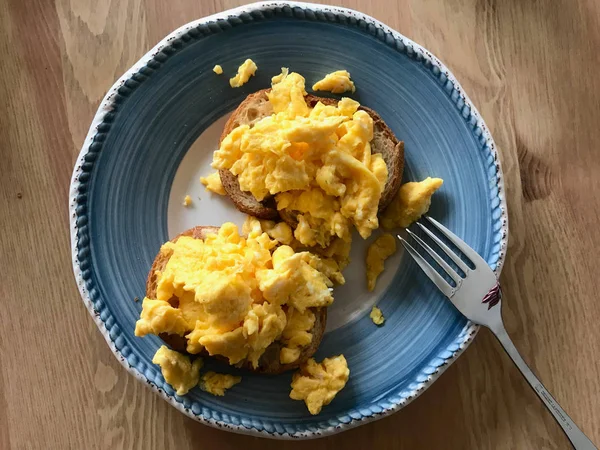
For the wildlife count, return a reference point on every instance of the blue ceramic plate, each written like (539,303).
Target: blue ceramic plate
(154,135)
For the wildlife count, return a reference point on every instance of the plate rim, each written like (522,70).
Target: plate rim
(87,155)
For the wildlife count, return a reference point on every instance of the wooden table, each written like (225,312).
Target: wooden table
(530,67)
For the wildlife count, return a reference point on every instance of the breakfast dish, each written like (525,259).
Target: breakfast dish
(153,137)
(247,300)
(259,299)
(289,97)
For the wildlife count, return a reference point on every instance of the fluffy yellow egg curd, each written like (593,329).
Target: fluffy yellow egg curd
(336,82)
(377,316)
(234,296)
(381,249)
(318,383)
(244,72)
(411,203)
(177,369)
(218,383)
(316,162)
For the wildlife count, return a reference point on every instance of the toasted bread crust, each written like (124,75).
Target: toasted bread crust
(269,361)
(244,201)
(384,142)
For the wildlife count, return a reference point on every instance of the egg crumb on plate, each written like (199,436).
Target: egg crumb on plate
(316,162)
(177,369)
(232,296)
(218,383)
(412,201)
(336,82)
(213,183)
(377,316)
(218,69)
(318,383)
(187,201)
(245,71)
(381,249)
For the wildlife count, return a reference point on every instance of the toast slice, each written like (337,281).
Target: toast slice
(269,361)
(257,106)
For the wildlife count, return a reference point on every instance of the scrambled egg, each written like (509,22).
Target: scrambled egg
(411,202)
(333,259)
(281,231)
(338,251)
(218,69)
(234,294)
(158,316)
(213,183)
(187,201)
(177,370)
(218,383)
(317,162)
(377,316)
(317,384)
(245,71)
(336,82)
(296,334)
(383,247)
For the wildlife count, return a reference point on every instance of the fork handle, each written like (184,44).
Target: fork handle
(579,440)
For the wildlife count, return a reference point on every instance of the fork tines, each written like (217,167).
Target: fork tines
(447,288)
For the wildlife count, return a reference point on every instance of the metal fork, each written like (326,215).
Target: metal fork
(477,295)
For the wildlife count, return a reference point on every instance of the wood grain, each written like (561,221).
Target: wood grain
(530,69)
